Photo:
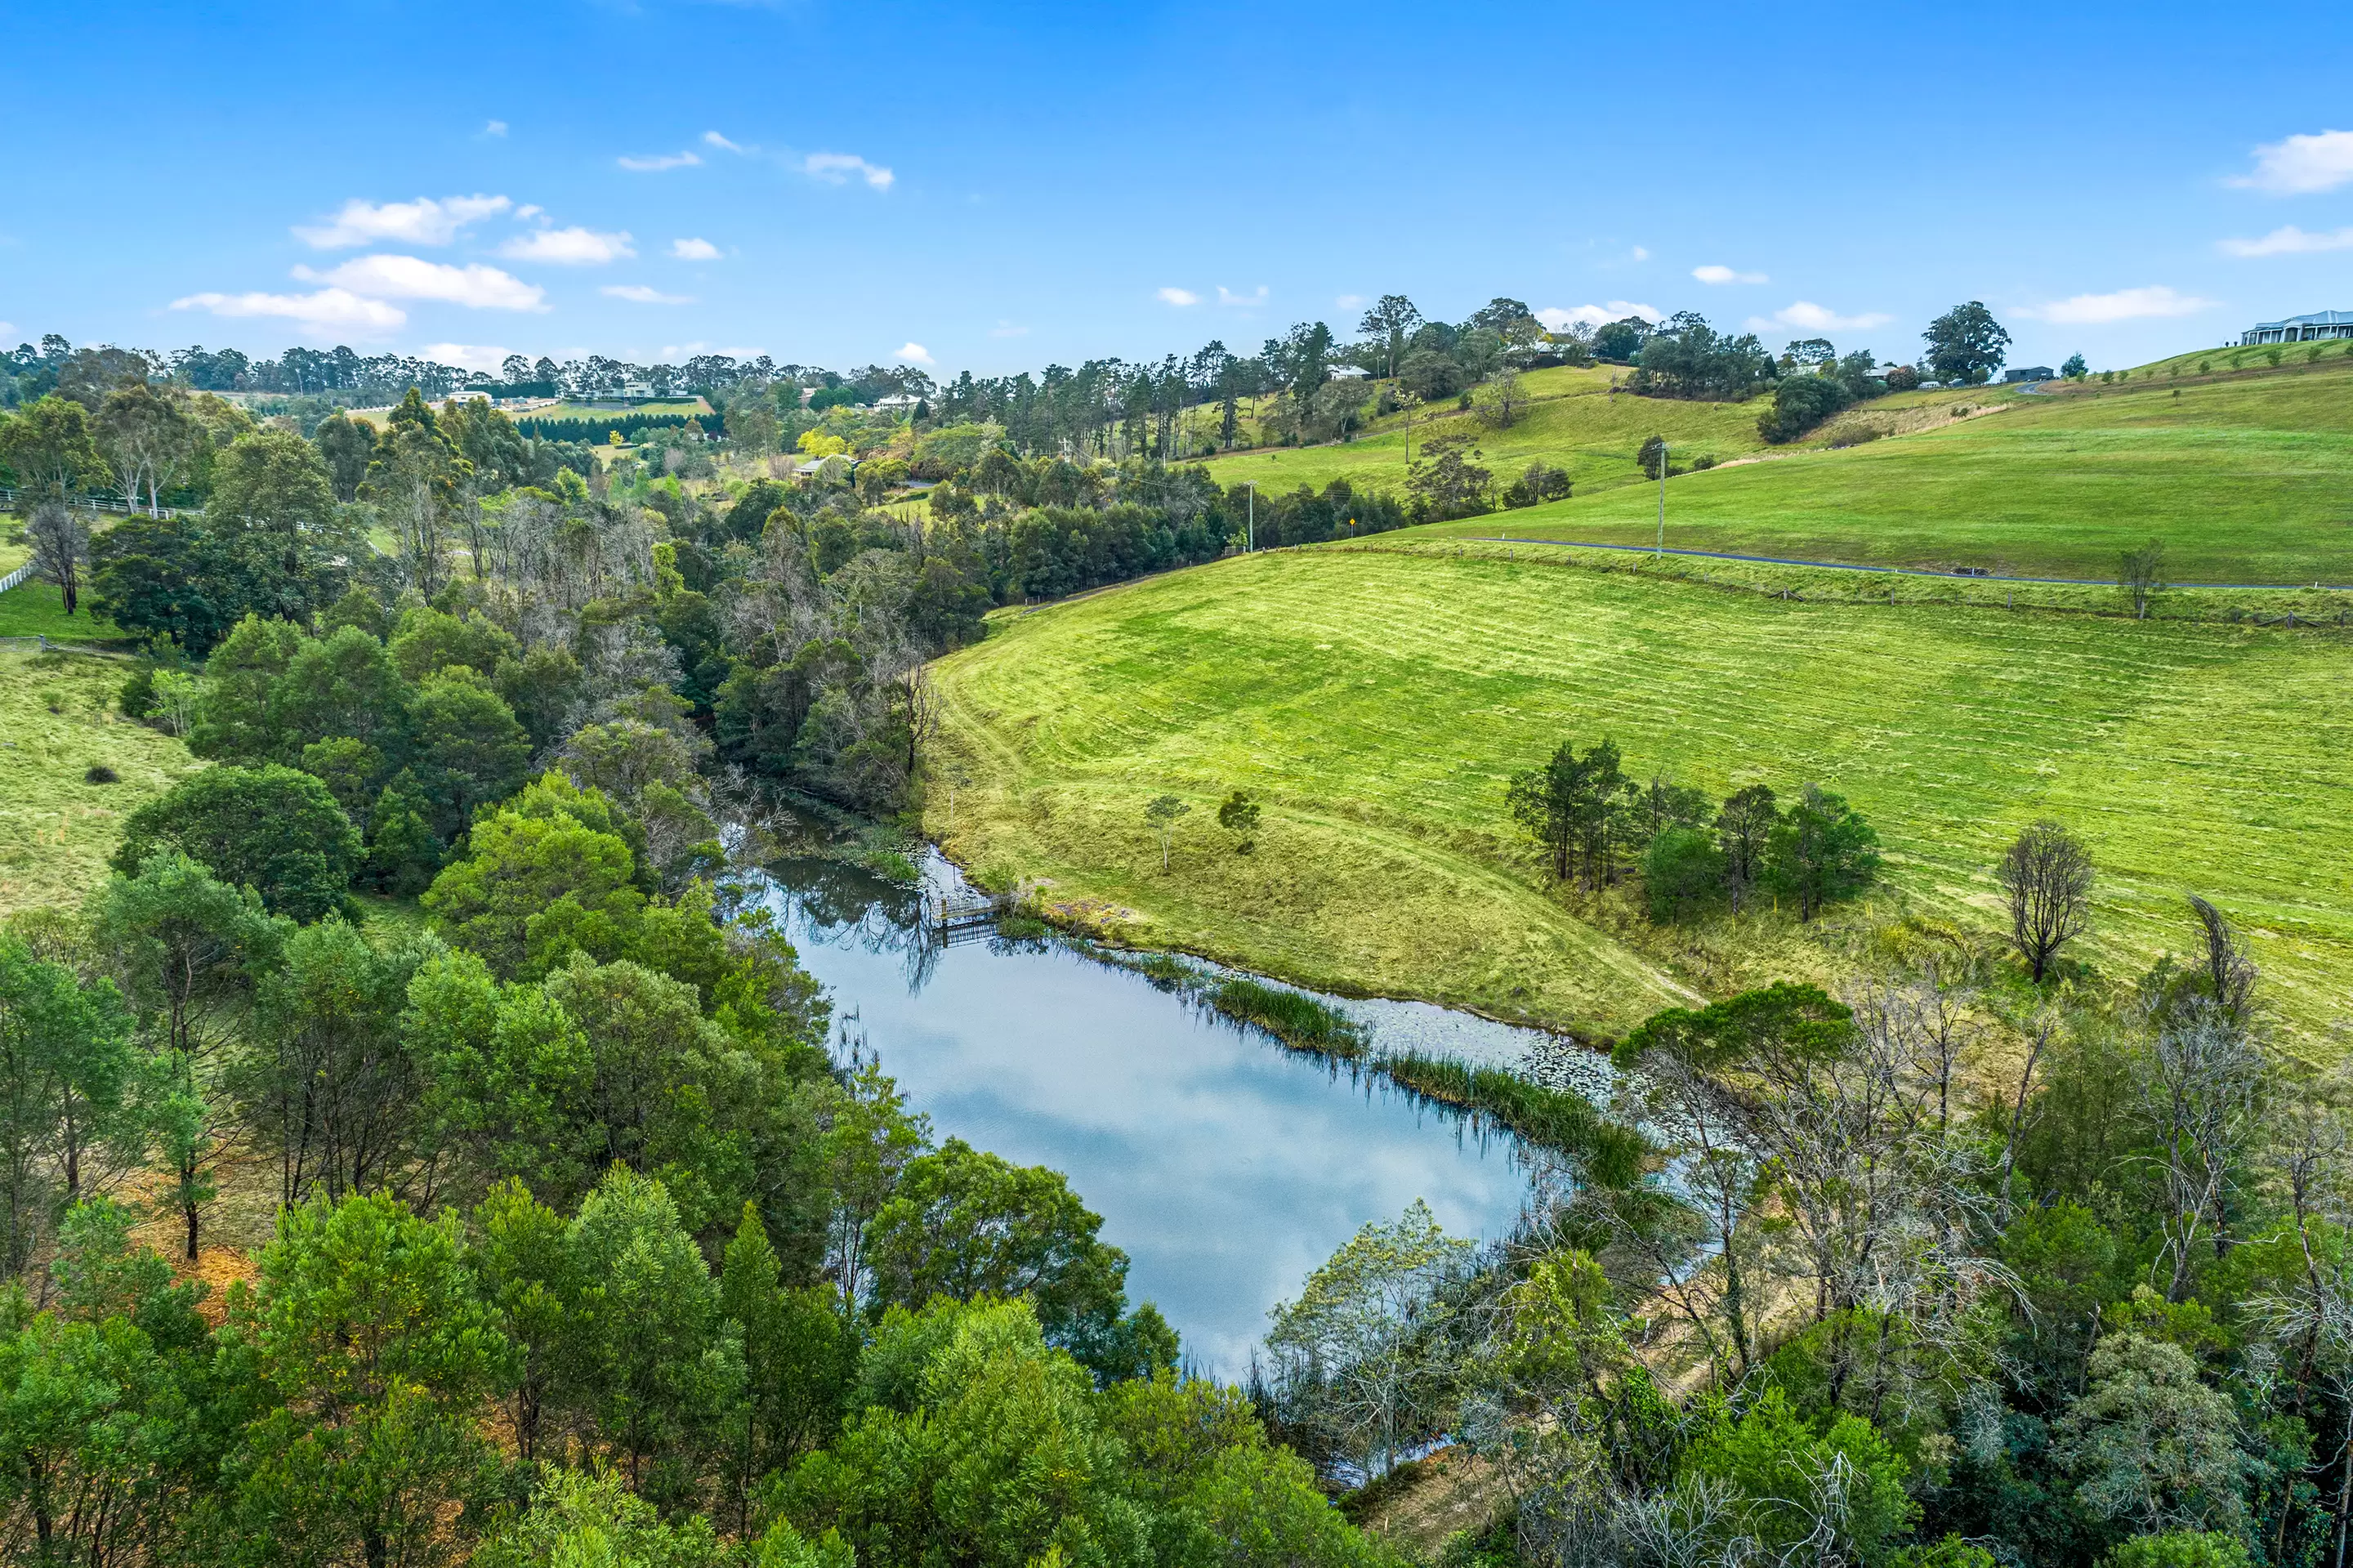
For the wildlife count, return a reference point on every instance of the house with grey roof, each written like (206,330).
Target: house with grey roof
(2300,328)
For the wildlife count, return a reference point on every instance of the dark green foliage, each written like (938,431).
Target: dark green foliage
(271,828)
(1650,457)
(402,852)
(1574,806)
(1239,814)
(137,698)
(1820,851)
(964,1223)
(169,580)
(1621,341)
(1744,830)
(1800,403)
(1682,872)
(1966,344)
(1686,357)
(1540,483)
(597,429)
(65,1064)
(1446,480)
(749,514)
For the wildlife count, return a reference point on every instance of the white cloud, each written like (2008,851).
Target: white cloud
(2290,241)
(913,353)
(328,308)
(694,250)
(495,128)
(713,139)
(568,247)
(2124,306)
(640,294)
(835,169)
(1640,254)
(529,209)
(1177,296)
(1806,316)
(1007,329)
(2302,163)
(1712,273)
(466,355)
(475,286)
(656,162)
(420,222)
(1247,302)
(1558,320)
(1349,301)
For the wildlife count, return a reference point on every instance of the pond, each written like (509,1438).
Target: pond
(1225,1167)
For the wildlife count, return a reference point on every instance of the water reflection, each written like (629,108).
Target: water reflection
(1225,1167)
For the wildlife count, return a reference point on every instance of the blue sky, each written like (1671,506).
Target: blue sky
(995,187)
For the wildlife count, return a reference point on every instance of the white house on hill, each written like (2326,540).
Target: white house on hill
(2300,328)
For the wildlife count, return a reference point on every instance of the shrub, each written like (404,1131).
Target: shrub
(1540,483)
(1682,871)
(100,773)
(1853,433)
(138,694)
(2180,1549)
(1291,1017)
(1800,403)
(271,828)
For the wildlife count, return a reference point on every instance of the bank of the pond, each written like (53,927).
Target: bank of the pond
(1564,1120)
(1225,1168)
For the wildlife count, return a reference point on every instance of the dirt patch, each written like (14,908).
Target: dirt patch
(1455,1490)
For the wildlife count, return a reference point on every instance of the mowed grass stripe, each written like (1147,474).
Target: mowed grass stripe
(1380,702)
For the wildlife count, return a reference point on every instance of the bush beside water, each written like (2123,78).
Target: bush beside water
(1299,1022)
(1613,1154)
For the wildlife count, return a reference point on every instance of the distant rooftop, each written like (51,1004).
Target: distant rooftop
(2299,329)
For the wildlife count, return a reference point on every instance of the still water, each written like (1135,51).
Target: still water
(1224,1166)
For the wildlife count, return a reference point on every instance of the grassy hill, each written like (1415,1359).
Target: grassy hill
(1575,421)
(1377,701)
(2244,469)
(57,828)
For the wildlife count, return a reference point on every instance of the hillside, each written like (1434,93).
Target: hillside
(1575,422)
(1377,703)
(2241,467)
(57,828)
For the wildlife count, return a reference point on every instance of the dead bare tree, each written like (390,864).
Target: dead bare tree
(2313,1325)
(2230,969)
(2040,1033)
(2200,1082)
(2047,878)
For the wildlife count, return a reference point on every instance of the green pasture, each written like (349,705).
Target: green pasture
(1575,422)
(57,720)
(36,608)
(2245,481)
(1377,700)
